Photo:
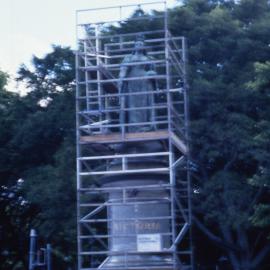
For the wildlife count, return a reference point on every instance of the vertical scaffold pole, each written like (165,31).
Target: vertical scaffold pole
(48,257)
(78,150)
(187,135)
(32,251)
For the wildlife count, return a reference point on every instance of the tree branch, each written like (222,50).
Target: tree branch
(217,240)
(228,165)
(260,256)
(256,199)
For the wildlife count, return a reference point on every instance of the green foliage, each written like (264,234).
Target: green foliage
(249,11)
(3,80)
(229,73)
(261,86)
(261,216)
(37,144)
(229,93)
(262,73)
(51,188)
(11,110)
(16,215)
(230,207)
(51,74)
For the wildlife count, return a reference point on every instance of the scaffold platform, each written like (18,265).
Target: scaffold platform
(133,179)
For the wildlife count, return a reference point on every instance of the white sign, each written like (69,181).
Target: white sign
(149,242)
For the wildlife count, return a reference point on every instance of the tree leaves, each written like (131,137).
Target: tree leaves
(38,144)
(229,73)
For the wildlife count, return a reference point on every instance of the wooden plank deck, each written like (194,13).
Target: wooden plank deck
(133,137)
(128,137)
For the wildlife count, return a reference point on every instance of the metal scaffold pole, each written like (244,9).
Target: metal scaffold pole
(133,182)
(39,258)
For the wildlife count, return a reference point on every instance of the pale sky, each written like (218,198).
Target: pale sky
(29,27)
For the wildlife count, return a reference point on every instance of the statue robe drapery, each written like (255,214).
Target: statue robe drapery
(141,84)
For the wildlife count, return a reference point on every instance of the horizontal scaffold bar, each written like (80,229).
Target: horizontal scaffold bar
(116,235)
(125,156)
(117,108)
(116,67)
(121,55)
(141,18)
(164,251)
(123,35)
(91,190)
(97,67)
(125,125)
(153,40)
(125,171)
(145,187)
(123,203)
(156,92)
(130,49)
(124,219)
(121,6)
(129,267)
(160,77)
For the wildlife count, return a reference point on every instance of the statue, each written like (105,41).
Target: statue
(140,69)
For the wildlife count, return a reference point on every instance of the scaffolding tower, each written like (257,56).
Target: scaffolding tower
(133,182)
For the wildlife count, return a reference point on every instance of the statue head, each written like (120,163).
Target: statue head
(139,44)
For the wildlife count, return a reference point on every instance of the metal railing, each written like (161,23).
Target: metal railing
(103,123)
